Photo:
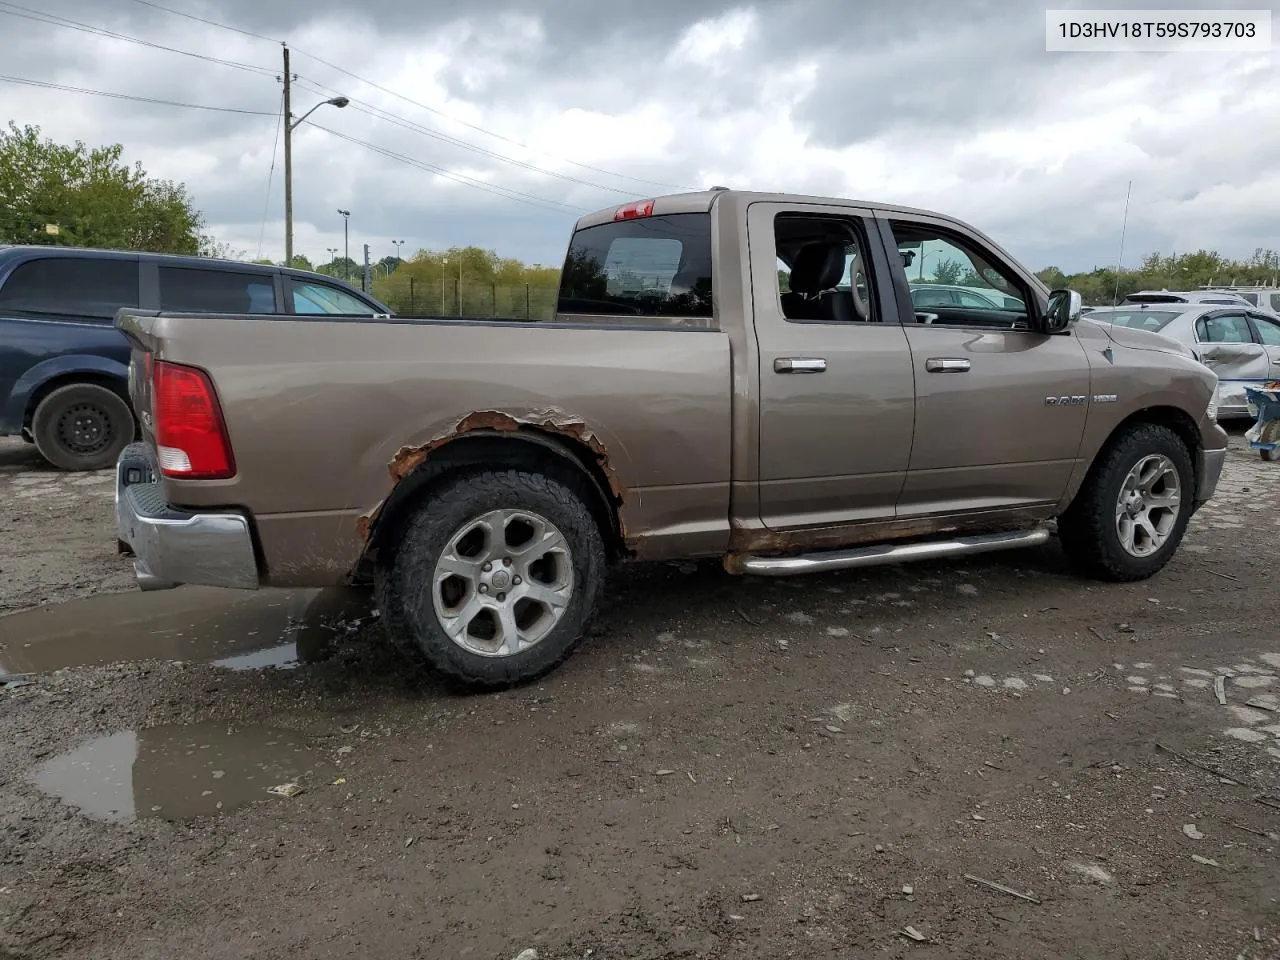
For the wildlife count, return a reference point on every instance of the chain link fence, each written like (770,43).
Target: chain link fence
(413,297)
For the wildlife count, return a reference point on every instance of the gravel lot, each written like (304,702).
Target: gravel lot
(838,766)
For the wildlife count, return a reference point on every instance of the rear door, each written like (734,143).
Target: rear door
(1225,342)
(1000,407)
(836,390)
(1268,331)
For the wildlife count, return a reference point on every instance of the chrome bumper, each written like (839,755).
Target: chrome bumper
(170,546)
(1211,462)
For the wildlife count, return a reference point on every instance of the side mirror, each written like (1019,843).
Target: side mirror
(1065,308)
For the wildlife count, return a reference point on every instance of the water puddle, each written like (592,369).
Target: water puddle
(240,630)
(175,772)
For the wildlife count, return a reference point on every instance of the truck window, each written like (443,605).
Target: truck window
(992,290)
(1275,302)
(72,286)
(197,290)
(823,272)
(649,267)
(318,298)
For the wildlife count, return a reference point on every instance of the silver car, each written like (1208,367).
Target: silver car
(1241,344)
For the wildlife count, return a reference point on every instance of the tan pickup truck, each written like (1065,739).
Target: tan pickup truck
(735,375)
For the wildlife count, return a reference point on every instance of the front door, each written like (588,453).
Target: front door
(1000,408)
(836,386)
(1269,333)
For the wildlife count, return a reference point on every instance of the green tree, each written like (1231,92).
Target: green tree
(948,271)
(78,195)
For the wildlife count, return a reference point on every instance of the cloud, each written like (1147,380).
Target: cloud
(544,112)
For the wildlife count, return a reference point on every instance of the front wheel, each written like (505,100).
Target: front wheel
(495,579)
(1131,514)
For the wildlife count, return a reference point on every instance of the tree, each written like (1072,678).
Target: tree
(948,271)
(86,196)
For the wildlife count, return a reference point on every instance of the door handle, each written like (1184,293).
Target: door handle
(946,365)
(799,365)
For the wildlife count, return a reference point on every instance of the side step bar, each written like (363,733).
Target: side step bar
(887,553)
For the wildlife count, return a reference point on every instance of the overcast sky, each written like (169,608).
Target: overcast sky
(572,105)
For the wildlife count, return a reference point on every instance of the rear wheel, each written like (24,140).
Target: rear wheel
(82,426)
(495,578)
(1131,514)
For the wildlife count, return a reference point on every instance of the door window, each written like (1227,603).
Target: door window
(197,290)
(1228,328)
(72,286)
(983,292)
(321,298)
(824,274)
(1268,331)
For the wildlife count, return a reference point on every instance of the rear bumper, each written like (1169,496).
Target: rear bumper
(171,546)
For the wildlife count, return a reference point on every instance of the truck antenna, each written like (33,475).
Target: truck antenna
(1120,259)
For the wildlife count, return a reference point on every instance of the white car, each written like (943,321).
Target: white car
(1239,342)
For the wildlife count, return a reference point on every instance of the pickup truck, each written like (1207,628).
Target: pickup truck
(484,475)
(64,366)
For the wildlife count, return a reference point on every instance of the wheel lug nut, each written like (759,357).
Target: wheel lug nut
(487,567)
(501,597)
(517,581)
(506,561)
(484,588)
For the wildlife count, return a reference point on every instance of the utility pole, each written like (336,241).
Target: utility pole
(346,246)
(365,282)
(288,162)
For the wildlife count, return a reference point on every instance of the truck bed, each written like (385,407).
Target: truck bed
(653,397)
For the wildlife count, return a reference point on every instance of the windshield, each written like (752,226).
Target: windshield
(1153,320)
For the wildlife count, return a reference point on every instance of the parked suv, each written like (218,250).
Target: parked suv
(63,364)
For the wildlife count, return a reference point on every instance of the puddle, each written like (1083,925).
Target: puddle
(175,772)
(241,630)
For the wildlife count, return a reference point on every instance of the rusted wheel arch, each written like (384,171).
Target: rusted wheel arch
(552,449)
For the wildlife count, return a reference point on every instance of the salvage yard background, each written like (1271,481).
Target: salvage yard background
(989,758)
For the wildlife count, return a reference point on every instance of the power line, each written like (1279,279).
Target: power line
(212,23)
(506,192)
(421,106)
(27,13)
(362,106)
(125,96)
(266,203)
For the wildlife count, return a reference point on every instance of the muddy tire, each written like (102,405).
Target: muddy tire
(1130,516)
(495,578)
(82,426)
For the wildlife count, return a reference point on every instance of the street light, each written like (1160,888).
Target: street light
(346,247)
(289,126)
(397,244)
(333,256)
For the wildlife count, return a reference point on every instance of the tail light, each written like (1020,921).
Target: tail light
(191,437)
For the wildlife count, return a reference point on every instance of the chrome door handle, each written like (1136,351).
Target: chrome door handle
(946,365)
(799,365)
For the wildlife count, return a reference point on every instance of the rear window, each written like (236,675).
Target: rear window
(651,266)
(194,290)
(1275,302)
(1251,297)
(72,286)
(1152,320)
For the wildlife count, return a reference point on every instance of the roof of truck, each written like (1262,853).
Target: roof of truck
(701,201)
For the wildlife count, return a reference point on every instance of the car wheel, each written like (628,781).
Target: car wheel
(495,578)
(1130,516)
(82,426)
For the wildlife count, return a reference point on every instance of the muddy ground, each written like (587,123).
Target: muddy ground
(729,768)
